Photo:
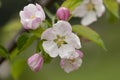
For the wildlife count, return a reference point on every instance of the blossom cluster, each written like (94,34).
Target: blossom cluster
(58,39)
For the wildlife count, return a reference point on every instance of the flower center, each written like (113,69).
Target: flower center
(32,17)
(90,6)
(60,40)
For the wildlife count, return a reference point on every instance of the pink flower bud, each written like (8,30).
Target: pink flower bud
(35,62)
(80,53)
(63,13)
(31,16)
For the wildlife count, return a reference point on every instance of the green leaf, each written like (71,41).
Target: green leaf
(40,30)
(3,52)
(25,40)
(49,14)
(88,34)
(17,68)
(112,6)
(47,58)
(71,4)
(111,18)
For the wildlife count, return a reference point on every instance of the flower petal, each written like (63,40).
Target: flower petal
(65,50)
(89,18)
(39,14)
(73,40)
(30,9)
(68,65)
(80,11)
(35,23)
(62,28)
(41,10)
(48,34)
(100,9)
(51,48)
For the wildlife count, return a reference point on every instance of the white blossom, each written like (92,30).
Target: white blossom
(60,40)
(89,10)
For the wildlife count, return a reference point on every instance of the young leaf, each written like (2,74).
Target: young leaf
(49,14)
(39,31)
(3,52)
(25,40)
(17,68)
(71,4)
(47,58)
(88,34)
(112,6)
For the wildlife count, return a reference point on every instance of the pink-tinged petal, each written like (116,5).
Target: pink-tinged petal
(23,15)
(66,65)
(35,23)
(41,10)
(65,50)
(73,40)
(48,34)
(89,18)
(100,9)
(72,55)
(38,14)
(62,28)
(30,9)
(27,24)
(70,64)
(80,53)
(35,62)
(51,48)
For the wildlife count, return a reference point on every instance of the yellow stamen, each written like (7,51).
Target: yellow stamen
(60,40)
(90,6)
(32,17)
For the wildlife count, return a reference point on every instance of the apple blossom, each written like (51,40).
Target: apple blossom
(35,62)
(72,62)
(60,40)
(31,16)
(63,13)
(89,10)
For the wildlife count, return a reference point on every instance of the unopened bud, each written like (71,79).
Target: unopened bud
(35,62)
(63,13)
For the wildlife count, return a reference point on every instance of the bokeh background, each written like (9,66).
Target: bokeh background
(98,64)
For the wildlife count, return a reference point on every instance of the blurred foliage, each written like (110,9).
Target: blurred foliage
(9,31)
(89,34)
(113,7)
(71,4)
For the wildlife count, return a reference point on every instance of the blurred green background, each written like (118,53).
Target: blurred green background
(97,63)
